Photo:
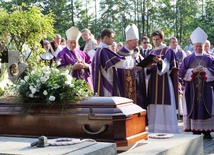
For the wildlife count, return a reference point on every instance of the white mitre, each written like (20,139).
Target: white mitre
(73,34)
(198,36)
(131,32)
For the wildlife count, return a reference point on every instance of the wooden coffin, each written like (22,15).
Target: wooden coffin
(108,119)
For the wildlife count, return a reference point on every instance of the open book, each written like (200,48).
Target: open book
(147,61)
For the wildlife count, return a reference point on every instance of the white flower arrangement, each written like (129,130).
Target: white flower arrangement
(51,86)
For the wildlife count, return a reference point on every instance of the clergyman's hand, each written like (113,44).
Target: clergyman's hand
(78,66)
(198,69)
(149,67)
(156,59)
(134,55)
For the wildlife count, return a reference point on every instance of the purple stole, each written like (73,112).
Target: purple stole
(127,78)
(198,92)
(106,59)
(158,89)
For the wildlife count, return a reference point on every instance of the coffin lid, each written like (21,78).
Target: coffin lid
(99,105)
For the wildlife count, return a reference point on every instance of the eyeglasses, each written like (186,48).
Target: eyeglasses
(145,42)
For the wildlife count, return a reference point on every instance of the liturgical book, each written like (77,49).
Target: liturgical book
(147,61)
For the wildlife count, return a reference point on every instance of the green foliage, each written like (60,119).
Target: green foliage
(26,26)
(3,26)
(208,20)
(61,10)
(83,18)
(176,18)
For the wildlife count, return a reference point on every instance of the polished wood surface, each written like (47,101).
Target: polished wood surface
(109,119)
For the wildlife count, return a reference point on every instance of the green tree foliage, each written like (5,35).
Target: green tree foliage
(169,16)
(206,19)
(117,15)
(3,29)
(62,10)
(186,17)
(27,26)
(175,17)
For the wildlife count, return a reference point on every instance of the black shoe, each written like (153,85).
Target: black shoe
(196,133)
(207,136)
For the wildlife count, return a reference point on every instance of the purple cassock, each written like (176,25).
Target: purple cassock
(198,86)
(163,92)
(69,57)
(105,59)
(160,83)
